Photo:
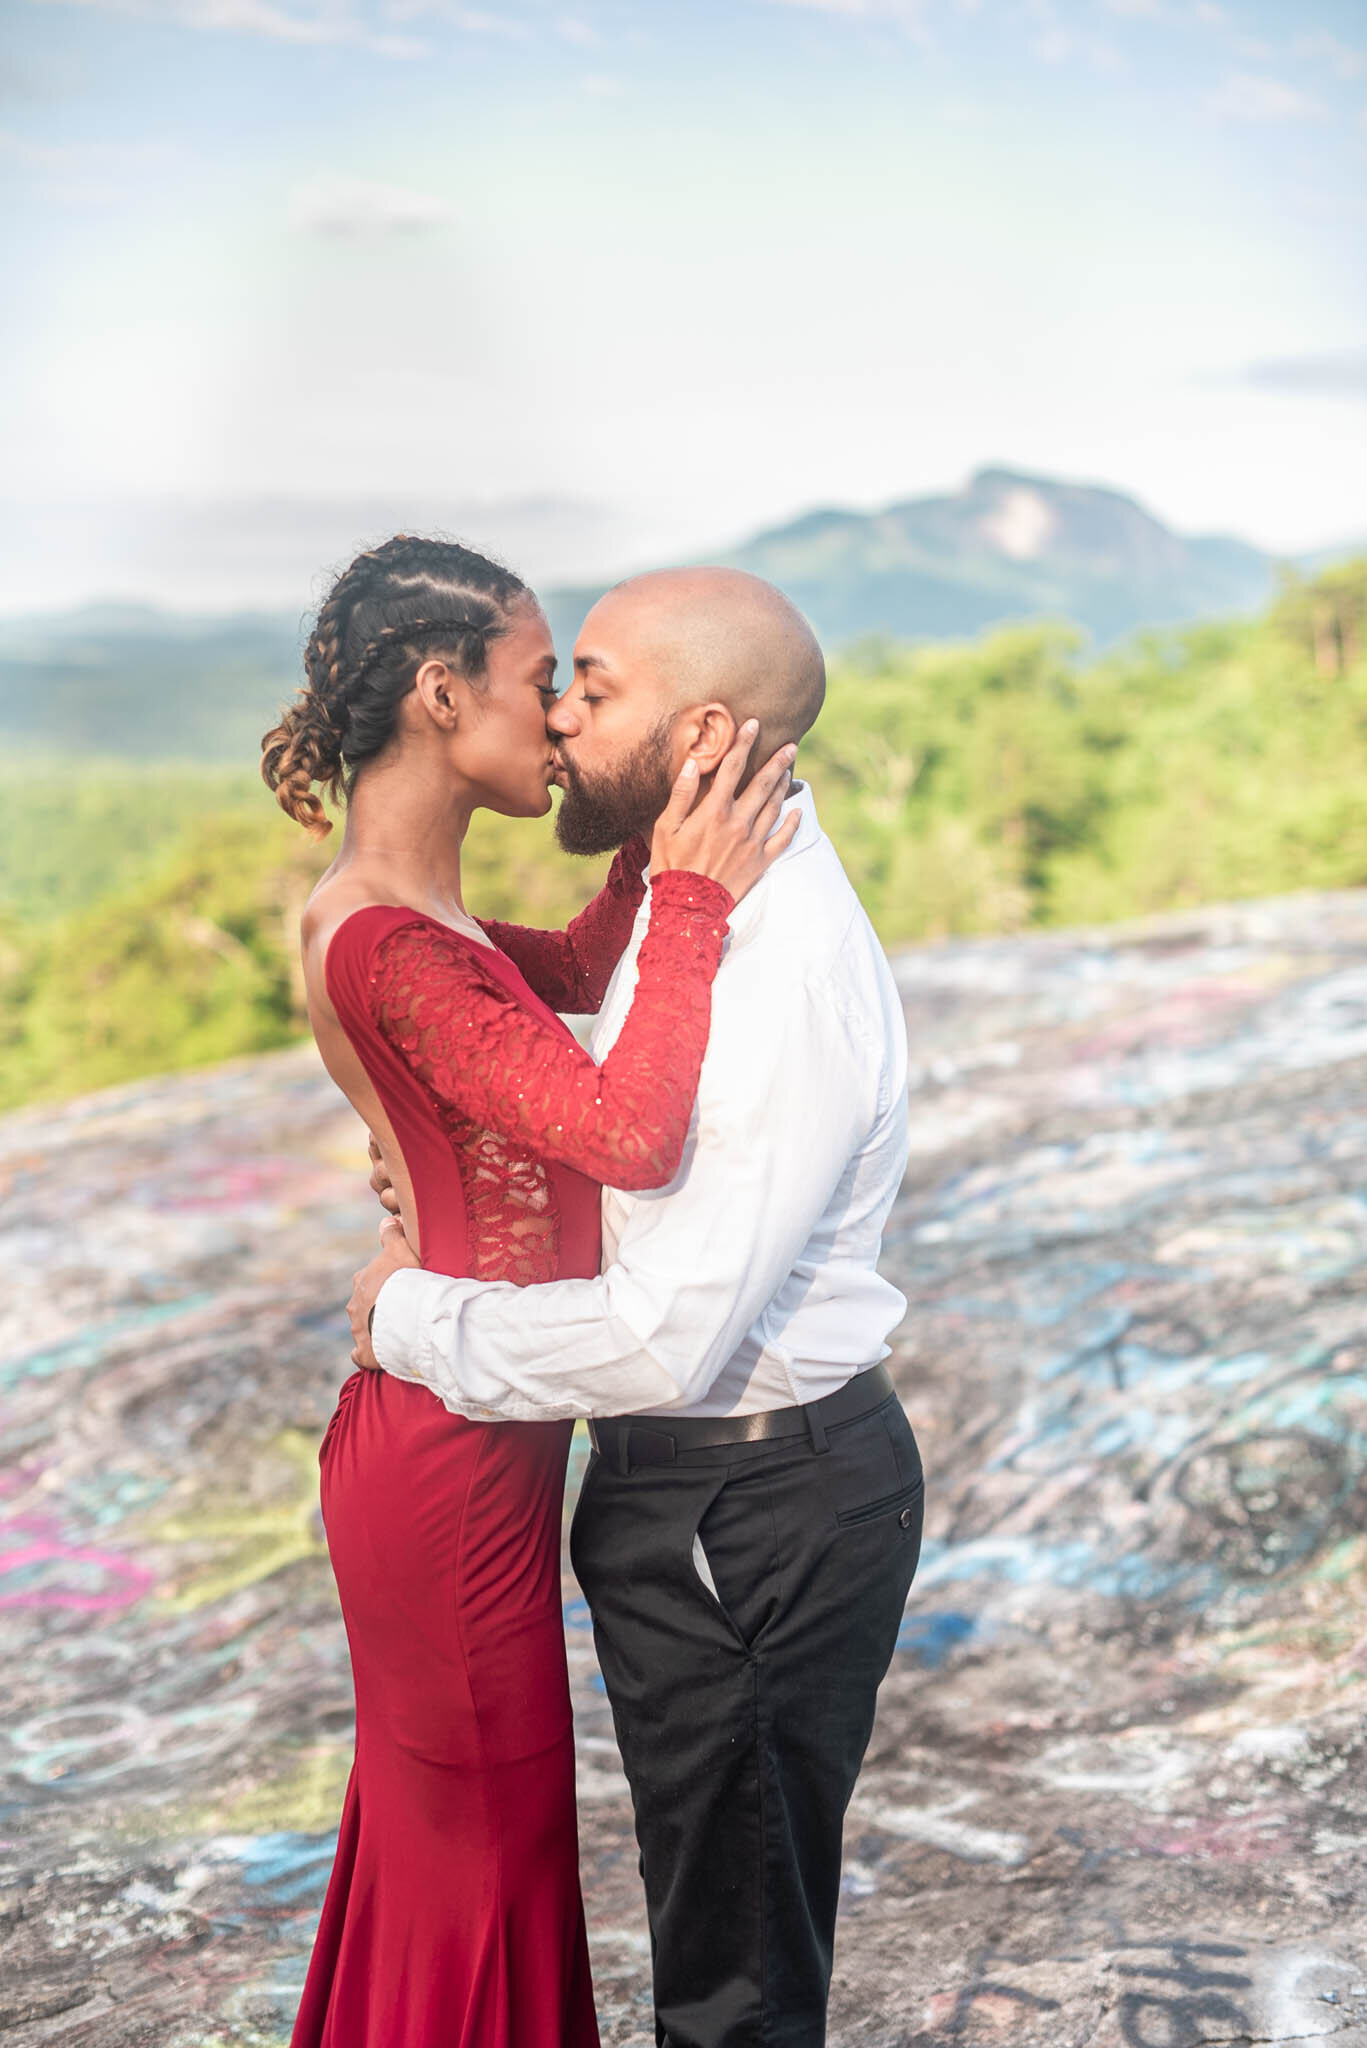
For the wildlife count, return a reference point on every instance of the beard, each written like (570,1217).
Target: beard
(600,813)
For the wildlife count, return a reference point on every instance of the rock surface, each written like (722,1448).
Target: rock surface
(1117,1792)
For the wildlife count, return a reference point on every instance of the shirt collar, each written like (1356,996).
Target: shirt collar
(748,914)
(809,831)
(807,835)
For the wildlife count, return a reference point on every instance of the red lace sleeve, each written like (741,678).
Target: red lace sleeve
(483,1054)
(570,970)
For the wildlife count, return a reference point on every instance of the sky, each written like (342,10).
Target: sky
(605,283)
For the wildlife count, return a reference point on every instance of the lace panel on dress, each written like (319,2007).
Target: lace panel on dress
(511,1210)
(510,1089)
(423,996)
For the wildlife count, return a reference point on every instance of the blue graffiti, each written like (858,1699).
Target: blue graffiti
(291,1869)
(92,1346)
(930,1637)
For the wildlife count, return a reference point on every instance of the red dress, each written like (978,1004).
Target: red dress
(453,1917)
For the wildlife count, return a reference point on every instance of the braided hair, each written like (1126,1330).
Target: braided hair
(397,606)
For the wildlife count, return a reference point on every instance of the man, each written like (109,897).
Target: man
(750,1520)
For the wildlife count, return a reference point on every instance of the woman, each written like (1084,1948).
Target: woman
(453,1916)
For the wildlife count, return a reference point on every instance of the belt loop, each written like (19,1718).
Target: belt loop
(624,1449)
(816,1428)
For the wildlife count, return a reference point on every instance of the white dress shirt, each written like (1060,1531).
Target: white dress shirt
(750,1282)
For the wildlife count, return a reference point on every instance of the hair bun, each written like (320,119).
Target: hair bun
(304,749)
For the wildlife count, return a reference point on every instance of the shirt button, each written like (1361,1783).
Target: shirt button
(906,1518)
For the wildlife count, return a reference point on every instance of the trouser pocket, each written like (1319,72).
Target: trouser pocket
(905,1502)
(735,1554)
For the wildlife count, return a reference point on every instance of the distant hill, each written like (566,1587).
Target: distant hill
(122,679)
(1007,546)
(130,680)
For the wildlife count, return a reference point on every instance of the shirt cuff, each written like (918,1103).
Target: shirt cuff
(396,1331)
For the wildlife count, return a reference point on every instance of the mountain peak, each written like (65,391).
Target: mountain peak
(1007,545)
(1022,521)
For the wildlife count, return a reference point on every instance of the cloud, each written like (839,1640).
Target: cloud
(260,18)
(25,82)
(1338,373)
(1247,96)
(1136,10)
(966,113)
(1052,41)
(83,173)
(904,14)
(91,157)
(1346,61)
(356,206)
(474,21)
(1343,59)
(323,22)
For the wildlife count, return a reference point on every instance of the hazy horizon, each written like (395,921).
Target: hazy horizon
(276,554)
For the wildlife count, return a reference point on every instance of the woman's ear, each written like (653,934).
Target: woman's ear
(437,689)
(711,731)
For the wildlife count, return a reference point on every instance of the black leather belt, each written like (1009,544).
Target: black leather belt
(627,1440)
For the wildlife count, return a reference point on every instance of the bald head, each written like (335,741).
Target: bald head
(720,636)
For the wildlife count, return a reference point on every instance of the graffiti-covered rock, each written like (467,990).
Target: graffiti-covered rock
(1117,1792)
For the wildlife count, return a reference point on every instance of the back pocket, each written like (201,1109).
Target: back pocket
(888,1504)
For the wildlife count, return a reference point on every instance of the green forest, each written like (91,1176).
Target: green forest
(148,912)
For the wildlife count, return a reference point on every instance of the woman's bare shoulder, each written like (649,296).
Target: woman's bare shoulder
(336,898)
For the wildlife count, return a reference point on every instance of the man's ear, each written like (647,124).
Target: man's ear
(437,690)
(711,732)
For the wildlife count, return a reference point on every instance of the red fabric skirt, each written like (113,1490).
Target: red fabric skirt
(453,1918)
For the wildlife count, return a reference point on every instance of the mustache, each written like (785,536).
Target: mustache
(601,811)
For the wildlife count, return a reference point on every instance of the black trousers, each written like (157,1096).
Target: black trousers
(743,1715)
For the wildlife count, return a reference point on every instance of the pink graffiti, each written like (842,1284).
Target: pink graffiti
(1249,1838)
(123,1581)
(237,1184)
(1190,1016)
(19,1479)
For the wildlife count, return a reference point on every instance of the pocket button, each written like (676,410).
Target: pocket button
(905,1518)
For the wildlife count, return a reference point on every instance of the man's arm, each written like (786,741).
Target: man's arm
(697,1265)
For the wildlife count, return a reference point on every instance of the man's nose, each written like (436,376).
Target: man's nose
(562,719)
